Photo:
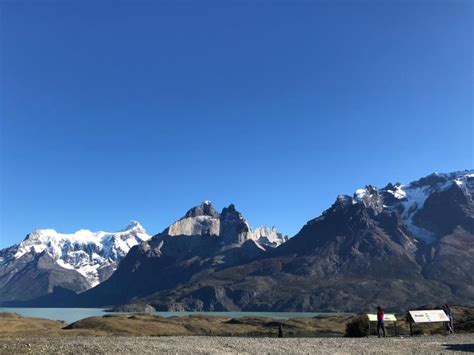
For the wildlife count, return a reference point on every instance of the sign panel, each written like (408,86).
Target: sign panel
(430,316)
(387,317)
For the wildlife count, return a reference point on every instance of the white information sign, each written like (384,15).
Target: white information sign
(430,316)
(387,317)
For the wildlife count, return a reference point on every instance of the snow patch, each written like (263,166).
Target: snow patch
(398,192)
(360,194)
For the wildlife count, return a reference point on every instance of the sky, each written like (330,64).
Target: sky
(139,110)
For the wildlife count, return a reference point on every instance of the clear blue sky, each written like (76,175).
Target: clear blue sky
(112,111)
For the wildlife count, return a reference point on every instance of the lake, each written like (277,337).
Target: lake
(70,315)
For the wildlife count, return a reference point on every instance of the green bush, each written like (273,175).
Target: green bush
(358,327)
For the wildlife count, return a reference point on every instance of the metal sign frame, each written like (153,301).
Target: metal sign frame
(388,317)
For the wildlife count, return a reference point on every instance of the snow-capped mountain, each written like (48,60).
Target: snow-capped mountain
(205,220)
(409,200)
(86,256)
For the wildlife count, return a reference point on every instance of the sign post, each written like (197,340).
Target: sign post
(427,316)
(387,318)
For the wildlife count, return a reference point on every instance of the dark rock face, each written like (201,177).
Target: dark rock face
(429,180)
(233,228)
(446,210)
(204,209)
(372,199)
(32,276)
(350,242)
(163,263)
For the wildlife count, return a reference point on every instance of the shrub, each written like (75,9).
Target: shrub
(358,327)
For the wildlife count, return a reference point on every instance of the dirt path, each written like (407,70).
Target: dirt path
(233,345)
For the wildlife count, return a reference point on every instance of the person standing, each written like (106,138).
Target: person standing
(280,331)
(449,314)
(445,324)
(380,321)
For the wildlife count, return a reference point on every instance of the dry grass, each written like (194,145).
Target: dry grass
(150,325)
(12,324)
(202,325)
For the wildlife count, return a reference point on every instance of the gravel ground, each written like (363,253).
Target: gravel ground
(233,345)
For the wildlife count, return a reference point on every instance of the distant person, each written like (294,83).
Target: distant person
(445,324)
(380,321)
(449,314)
(280,331)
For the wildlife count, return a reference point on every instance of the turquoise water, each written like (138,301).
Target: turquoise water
(70,315)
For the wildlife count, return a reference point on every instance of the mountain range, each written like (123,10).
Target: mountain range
(46,259)
(400,246)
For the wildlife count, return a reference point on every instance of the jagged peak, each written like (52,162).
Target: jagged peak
(133,225)
(343,201)
(204,209)
(230,208)
(231,212)
(234,229)
(268,237)
(363,193)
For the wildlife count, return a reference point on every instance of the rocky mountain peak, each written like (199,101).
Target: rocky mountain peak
(134,226)
(417,203)
(199,220)
(342,202)
(268,237)
(234,229)
(371,198)
(204,209)
(229,225)
(430,180)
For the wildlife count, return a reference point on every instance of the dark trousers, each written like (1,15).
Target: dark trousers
(380,325)
(451,325)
